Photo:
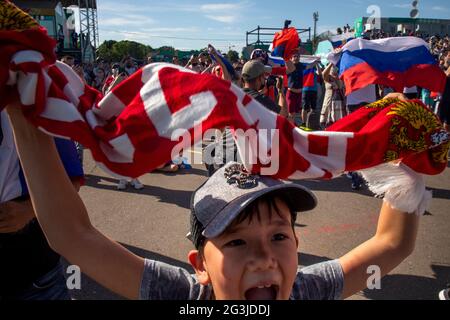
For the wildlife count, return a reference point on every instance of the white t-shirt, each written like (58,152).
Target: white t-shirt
(366,94)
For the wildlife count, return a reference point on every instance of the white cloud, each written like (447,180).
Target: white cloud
(178,30)
(128,21)
(117,7)
(224,19)
(224,12)
(221,12)
(402,5)
(220,6)
(125,21)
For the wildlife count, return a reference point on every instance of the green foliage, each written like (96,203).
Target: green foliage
(233,56)
(115,51)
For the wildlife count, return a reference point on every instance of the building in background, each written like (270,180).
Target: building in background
(72,23)
(430,27)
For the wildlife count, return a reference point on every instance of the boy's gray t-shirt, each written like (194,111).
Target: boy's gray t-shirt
(160,281)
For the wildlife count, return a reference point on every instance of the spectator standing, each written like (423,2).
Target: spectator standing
(60,38)
(334,107)
(294,92)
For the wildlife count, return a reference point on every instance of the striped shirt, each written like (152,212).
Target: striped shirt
(12,181)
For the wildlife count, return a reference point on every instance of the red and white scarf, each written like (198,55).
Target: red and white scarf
(134,128)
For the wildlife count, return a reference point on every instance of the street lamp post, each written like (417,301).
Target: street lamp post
(316,18)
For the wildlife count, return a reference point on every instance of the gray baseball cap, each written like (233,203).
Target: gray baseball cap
(253,69)
(229,191)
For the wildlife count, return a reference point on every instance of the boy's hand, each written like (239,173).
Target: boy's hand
(15,215)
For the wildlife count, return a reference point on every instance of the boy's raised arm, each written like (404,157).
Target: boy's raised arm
(392,243)
(63,216)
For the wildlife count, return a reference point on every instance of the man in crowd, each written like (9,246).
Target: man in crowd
(254,75)
(295,86)
(129,65)
(69,60)
(194,64)
(310,94)
(61,37)
(254,79)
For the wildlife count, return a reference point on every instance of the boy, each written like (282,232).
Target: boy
(241,253)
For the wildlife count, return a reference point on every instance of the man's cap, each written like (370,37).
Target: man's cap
(253,69)
(259,54)
(227,193)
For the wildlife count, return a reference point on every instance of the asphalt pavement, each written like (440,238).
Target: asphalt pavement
(153,223)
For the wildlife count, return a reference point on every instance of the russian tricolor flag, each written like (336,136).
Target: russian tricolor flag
(341,39)
(274,60)
(308,78)
(285,43)
(308,60)
(393,62)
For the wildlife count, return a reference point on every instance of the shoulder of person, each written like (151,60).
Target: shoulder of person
(321,281)
(162,281)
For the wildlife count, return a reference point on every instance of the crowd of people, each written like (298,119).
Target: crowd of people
(311,95)
(244,237)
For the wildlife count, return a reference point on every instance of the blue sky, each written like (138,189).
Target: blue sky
(188,24)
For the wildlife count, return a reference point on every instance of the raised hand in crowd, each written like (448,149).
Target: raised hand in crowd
(225,74)
(79,71)
(282,102)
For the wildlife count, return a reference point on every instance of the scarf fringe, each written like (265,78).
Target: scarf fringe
(403,188)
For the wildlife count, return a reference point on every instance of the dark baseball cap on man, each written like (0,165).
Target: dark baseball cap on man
(227,193)
(253,69)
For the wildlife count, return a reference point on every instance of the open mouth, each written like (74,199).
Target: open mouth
(269,292)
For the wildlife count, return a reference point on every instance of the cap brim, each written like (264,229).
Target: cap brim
(301,199)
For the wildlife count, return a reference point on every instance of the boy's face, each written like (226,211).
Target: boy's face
(252,260)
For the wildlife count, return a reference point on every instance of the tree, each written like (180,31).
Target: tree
(105,50)
(233,56)
(114,51)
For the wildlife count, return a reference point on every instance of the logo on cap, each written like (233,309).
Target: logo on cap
(238,174)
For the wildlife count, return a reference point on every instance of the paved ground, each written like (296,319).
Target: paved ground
(153,223)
